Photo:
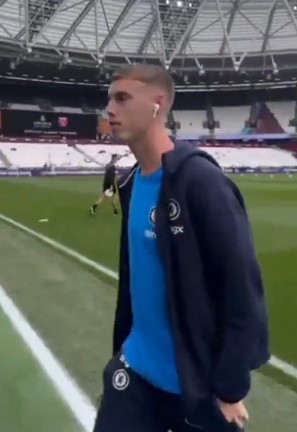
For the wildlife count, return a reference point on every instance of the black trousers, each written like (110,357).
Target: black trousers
(131,404)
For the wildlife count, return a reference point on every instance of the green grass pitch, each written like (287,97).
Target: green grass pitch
(79,306)
(271,201)
(28,393)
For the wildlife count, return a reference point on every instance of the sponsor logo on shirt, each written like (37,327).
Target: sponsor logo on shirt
(150,234)
(177,230)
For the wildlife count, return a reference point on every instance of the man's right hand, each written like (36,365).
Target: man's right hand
(236,412)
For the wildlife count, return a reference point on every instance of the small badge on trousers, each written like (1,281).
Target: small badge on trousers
(120,379)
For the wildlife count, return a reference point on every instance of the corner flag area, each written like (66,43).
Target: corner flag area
(57,299)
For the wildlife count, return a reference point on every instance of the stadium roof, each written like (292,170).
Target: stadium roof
(184,35)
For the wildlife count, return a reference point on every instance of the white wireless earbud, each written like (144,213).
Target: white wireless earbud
(156,110)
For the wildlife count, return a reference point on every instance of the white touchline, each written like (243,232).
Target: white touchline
(277,363)
(62,248)
(77,401)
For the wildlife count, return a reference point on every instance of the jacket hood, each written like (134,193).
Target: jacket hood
(174,159)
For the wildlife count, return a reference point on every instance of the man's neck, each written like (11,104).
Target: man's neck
(148,151)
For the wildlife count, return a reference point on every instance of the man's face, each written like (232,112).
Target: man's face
(130,108)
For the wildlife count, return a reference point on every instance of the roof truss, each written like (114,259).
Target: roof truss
(175,33)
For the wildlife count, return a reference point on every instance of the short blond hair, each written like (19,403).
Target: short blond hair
(148,74)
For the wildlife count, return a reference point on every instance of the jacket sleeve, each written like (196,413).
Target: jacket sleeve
(227,245)
(123,313)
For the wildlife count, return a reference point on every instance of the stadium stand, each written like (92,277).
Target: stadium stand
(292,147)
(231,119)
(283,111)
(191,122)
(24,155)
(271,117)
(102,154)
(38,155)
(246,157)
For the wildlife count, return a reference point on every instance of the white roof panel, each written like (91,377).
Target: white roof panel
(202,26)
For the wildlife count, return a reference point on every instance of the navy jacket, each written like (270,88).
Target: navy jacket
(216,295)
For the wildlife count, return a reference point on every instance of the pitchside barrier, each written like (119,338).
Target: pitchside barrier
(41,172)
(261,170)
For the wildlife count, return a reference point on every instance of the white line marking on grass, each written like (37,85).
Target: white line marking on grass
(279,364)
(68,251)
(78,402)
(283,366)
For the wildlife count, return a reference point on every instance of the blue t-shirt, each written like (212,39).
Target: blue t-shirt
(149,349)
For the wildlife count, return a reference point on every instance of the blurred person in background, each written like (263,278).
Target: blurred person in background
(109,190)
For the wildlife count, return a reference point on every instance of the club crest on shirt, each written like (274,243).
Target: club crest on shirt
(152,215)
(120,379)
(174,212)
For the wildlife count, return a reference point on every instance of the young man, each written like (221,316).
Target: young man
(191,319)
(109,186)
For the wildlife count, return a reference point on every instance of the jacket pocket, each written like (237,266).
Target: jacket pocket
(223,423)
(209,418)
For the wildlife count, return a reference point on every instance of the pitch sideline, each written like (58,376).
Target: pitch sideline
(276,362)
(80,405)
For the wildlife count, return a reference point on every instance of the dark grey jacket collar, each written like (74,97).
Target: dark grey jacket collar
(173,160)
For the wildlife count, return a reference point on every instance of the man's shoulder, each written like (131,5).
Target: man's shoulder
(203,174)
(201,166)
